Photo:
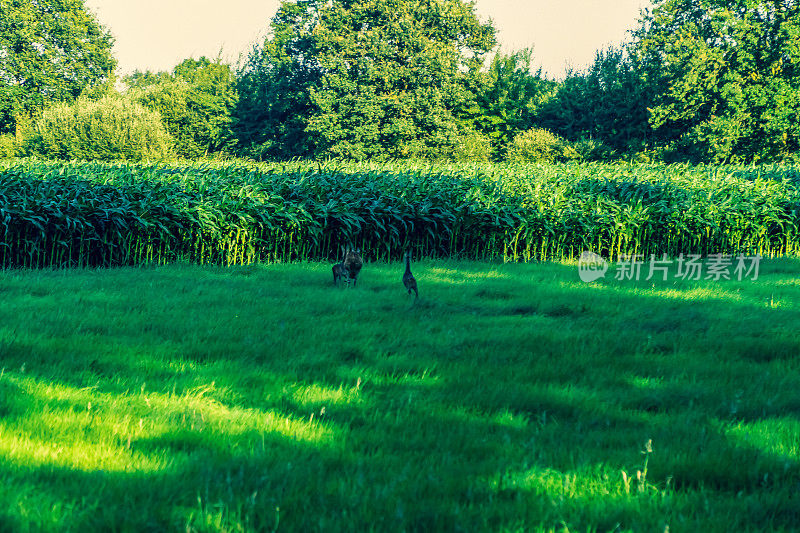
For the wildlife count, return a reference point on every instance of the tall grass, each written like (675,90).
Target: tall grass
(94,214)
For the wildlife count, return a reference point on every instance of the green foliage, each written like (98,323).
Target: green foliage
(540,146)
(50,51)
(270,116)
(729,80)
(702,81)
(471,146)
(195,102)
(113,127)
(122,214)
(609,103)
(593,150)
(8,146)
(510,98)
(376,79)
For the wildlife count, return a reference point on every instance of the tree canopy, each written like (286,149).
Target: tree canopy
(363,78)
(50,51)
(607,103)
(195,101)
(712,81)
(729,87)
(511,97)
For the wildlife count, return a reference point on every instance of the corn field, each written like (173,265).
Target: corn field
(95,214)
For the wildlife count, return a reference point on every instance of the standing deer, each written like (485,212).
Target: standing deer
(409,281)
(339,272)
(352,263)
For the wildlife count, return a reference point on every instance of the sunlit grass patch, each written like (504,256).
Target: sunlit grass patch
(91,430)
(777,437)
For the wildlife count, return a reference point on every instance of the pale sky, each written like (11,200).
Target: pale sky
(159,34)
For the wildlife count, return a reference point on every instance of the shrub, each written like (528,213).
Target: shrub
(540,146)
(8,146)
(111,128)
(593,150)
(472,146)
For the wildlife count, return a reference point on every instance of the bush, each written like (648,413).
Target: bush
(111,128)
(8,146)
(540,146)
(593,150)
(472,146)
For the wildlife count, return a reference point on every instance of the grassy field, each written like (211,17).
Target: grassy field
(511,397)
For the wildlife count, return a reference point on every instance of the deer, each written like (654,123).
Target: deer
(339,272)
(409,282)
(352,263)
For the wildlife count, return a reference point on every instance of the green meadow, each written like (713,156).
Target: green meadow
(509,397)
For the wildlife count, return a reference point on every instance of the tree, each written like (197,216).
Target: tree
(729,88)
(511,97)
(363,79)
(195,102)
(50,51)
(607,103)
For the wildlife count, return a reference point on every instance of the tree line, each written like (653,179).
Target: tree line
(701,81)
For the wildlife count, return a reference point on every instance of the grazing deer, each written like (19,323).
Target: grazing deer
(352,263)
(409,281)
